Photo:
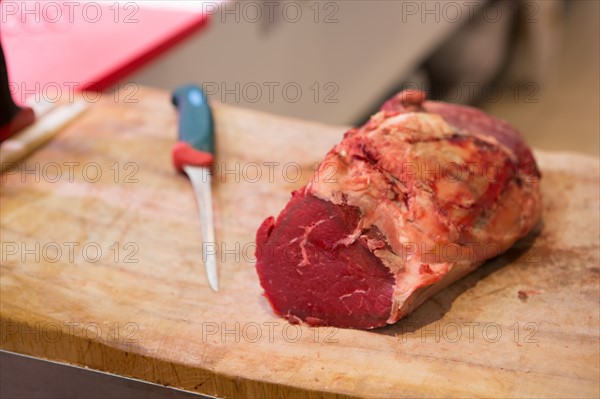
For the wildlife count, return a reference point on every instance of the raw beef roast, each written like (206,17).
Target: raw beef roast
(412,201)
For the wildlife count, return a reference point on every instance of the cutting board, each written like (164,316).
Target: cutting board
(102,267)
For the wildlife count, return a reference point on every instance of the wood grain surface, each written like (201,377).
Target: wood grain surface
(102,267)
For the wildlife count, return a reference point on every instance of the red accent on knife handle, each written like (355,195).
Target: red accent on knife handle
(185,154)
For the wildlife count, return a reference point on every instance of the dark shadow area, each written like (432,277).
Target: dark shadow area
(438,305)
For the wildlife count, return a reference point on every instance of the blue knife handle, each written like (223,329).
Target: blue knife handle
(196,126)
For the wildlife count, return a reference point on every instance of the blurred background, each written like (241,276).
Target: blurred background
(534,63)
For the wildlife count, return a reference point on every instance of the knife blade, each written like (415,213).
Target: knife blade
(194,154)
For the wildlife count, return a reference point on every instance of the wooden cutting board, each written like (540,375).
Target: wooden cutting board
(102,267)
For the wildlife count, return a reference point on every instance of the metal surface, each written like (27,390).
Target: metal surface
(200,178)
(28,377)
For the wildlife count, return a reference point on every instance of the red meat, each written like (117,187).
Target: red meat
(415,199)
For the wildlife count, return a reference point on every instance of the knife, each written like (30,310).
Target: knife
(24,142)
(194,155)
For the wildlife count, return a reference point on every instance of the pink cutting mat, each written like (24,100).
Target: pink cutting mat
(58,47)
